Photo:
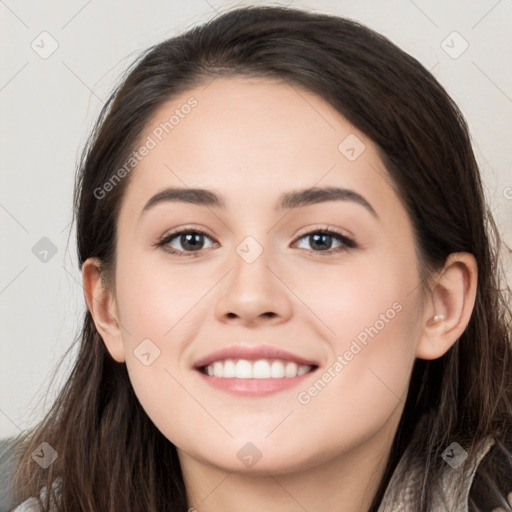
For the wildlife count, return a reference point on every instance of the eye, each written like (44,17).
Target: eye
(191,240)
(323,238)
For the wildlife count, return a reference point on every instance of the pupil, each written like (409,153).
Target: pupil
(316,238)
(191,240)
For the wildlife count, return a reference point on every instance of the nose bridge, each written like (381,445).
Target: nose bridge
(253,239)
(252,288)
(251,264)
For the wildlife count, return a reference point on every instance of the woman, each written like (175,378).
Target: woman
(292,287)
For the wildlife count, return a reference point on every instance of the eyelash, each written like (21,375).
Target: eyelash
(348,243)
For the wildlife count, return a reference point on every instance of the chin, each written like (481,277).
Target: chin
(256,459)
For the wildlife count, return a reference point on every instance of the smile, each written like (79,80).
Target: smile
(254,370)
(259,369)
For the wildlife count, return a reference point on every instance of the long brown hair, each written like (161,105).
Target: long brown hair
(110,454)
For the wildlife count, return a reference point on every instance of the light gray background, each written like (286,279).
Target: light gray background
(48,106)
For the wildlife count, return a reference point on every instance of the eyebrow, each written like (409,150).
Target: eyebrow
(293,199)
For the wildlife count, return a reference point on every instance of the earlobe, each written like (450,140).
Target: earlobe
(102,307)
(452,302)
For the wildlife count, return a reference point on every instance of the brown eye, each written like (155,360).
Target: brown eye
(187,241)
(322,241)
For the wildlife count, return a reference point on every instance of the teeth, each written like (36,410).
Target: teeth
(261,369)
(302,370)
(243,370)
(229,369)
(291,369)
(217,367)
(277,370)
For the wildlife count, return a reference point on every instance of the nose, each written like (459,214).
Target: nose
(254,293)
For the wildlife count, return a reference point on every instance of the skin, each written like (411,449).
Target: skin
(250,141)
(501,509)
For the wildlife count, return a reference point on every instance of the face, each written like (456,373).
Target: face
(322,290)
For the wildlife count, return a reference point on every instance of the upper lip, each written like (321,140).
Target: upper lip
(252,353)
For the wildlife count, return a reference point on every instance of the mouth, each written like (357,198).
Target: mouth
(254,371)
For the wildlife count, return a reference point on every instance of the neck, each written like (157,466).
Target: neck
(346,483)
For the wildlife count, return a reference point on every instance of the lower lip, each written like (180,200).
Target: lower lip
(254,387)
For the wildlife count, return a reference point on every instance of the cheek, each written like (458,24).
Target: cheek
(372,317)
(363,389)
(159,310)
(157,300)
(363,301)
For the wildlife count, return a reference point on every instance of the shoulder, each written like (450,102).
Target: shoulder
(32,504)
(409,475)
(492,484)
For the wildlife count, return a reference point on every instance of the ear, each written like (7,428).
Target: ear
(449,310)
(102,306)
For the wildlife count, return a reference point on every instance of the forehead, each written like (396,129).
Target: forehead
(252,139)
